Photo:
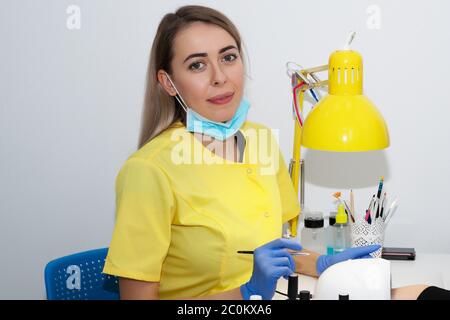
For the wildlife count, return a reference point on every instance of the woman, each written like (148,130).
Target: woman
(205,183)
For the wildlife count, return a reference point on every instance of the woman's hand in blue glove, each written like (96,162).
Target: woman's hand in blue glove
(325,261)
(270,262)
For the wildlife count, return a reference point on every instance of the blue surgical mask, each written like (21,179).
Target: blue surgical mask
(218,130)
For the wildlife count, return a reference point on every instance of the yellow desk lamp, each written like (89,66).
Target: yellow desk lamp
(343,121)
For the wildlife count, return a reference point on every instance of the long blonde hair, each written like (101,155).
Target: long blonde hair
(161,110)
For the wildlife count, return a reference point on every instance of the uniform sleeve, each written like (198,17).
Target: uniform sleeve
(289,199)
(144,213)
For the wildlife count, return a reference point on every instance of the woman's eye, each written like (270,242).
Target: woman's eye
(196,66)
(230,57)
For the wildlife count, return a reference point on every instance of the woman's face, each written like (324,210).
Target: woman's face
(206,66)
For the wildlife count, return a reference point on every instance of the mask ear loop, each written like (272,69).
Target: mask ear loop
(178,95)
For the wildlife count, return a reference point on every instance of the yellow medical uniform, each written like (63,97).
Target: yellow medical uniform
(180,221)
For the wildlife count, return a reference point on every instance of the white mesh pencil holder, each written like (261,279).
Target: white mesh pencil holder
(365,234)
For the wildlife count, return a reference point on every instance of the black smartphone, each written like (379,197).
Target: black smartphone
(391,253)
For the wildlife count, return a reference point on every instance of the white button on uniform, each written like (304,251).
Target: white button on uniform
(266,214)
(249,170)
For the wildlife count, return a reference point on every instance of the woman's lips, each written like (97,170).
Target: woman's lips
(223,100)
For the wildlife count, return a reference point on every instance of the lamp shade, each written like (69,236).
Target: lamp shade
(345,120)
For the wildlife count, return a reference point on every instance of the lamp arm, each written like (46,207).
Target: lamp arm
(296,165)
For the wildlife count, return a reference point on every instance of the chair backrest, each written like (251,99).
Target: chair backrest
(79,277)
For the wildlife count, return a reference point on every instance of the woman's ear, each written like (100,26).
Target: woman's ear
(165,83)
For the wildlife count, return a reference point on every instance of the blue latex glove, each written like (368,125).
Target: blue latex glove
(325,261)
(270,262)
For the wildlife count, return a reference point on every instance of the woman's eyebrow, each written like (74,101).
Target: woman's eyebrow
(195,55)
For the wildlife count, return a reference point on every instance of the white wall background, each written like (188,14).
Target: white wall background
(71,102)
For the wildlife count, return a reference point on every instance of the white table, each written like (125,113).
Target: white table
(430,269)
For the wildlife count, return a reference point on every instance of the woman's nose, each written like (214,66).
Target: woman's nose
(218,76)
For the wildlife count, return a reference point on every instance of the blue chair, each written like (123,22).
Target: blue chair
(79,277)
